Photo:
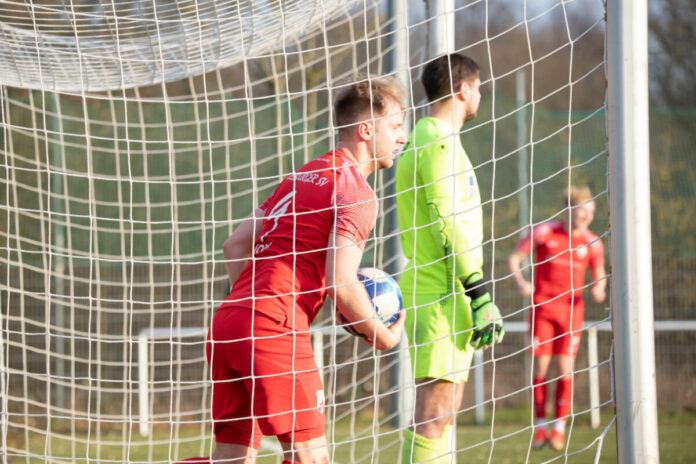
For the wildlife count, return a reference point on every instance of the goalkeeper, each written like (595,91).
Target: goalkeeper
(440,220)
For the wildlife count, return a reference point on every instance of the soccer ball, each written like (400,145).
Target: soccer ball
(384,293)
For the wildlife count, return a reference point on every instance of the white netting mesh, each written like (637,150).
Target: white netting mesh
(173,120)
(98,46)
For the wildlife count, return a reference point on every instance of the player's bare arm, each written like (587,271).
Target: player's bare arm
(524,287)
(239,246)
(600,284)
(342,262)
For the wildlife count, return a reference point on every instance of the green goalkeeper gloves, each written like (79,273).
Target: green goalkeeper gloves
(488,325)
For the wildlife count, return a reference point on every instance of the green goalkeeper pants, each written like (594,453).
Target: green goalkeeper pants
(439,330)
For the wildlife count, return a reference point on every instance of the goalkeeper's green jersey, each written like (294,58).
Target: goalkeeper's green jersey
(439,208)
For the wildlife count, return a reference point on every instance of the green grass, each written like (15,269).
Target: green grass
(507,440)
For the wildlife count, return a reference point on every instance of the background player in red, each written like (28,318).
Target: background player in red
(304,241)
(563,252)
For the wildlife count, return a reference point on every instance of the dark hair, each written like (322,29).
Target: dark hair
(362,100)
(444,74)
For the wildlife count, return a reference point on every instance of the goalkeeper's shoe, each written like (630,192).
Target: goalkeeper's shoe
(488,325)
(541,435)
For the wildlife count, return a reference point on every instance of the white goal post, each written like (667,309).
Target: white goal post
(629,183)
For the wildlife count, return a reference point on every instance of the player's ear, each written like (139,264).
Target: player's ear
(365,131)
(462,91)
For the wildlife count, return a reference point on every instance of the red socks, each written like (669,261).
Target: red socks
(564,395)
(539,397)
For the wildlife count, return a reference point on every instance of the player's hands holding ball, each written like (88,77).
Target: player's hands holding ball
(383,326)
(395,329)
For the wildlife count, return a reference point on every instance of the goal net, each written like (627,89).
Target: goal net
(137,134)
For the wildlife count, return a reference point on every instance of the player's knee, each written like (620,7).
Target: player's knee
(443,419)
(316,455)
(305,446)
(308,456)
(229,451)
(319,458)
(435,426)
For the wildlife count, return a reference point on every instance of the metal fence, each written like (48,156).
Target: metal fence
(98,362)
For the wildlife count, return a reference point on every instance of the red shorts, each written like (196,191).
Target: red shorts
(556,325)
(273,371)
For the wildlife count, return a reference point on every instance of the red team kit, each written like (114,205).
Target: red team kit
(558,304)
(253,351)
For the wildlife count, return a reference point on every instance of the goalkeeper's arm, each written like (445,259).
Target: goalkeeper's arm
(454,234)
(488,324)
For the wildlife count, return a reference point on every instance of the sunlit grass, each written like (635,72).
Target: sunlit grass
(505,440)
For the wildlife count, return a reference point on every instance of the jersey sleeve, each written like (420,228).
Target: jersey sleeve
(437,168)
(356,208)
(596,249)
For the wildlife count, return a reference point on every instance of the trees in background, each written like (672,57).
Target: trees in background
(672,53)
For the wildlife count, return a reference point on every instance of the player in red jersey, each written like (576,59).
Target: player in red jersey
(304,241)
(561,259)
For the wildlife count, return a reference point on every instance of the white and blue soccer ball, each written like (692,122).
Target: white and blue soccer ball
(384,293)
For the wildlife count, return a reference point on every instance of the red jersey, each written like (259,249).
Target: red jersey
(554,275)
(285,277)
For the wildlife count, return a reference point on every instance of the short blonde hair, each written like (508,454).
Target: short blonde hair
(369,97)
(576,195)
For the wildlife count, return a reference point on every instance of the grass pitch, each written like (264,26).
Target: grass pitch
(506,440)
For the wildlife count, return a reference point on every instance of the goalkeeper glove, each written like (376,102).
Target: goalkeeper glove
(488,325)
